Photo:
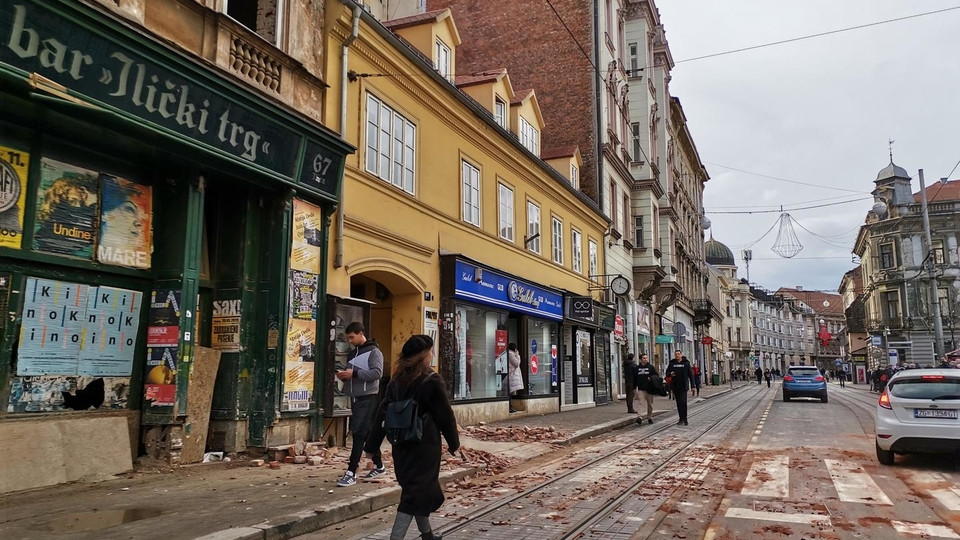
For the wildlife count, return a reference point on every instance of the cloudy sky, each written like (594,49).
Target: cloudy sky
(817,111)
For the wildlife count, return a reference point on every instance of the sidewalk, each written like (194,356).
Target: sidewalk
(232,500)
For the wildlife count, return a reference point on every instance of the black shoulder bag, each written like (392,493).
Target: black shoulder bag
(403,421)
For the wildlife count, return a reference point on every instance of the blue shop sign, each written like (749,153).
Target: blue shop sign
(487,287)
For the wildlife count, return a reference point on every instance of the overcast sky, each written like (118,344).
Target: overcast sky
(818,111)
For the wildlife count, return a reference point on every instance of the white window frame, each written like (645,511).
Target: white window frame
(505,216)
(399,172)
(574,176)
(557,238)
(500,112)
(533,227)
(442,63)
(529,136)
(638,231)
(470,192)
(576,244)
(635,142)
(634,50)
(594,257)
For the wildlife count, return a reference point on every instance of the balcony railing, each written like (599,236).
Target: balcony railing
(702,313)
(877,325)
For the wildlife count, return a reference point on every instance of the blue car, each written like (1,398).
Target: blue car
(804,381)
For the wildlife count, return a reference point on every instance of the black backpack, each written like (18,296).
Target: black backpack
(403,421)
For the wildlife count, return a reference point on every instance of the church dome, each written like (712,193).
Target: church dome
(718,254)
(892,171)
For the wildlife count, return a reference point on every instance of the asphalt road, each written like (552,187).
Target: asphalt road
(749,466)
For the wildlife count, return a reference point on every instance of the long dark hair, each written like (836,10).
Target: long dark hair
(409,365)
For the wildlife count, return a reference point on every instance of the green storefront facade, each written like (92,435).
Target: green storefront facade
(152,211)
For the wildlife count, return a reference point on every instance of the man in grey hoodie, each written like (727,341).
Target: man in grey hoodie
(361,381)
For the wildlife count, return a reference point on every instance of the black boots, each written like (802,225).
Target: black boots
(430,536)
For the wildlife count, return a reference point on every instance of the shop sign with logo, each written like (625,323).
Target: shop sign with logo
(618,326)
(492,288)
(580,308)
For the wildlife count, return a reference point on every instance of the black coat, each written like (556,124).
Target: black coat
(681,374)
(417,465)
(643,374)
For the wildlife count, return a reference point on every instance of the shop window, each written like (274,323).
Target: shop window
(390,145)
(584,358)
(576,241)
(542,344)
(480,365)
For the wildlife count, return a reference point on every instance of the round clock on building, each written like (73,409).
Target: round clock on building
(620,285)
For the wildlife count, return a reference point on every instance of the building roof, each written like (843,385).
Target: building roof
(558,152)
(520,96)
(718,254)
(483,77)
(892,171)
(815,300)
(941,192)
(414,20)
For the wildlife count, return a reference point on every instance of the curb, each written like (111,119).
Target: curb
(313,520)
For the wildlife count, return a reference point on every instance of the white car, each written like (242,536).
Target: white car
(919,411)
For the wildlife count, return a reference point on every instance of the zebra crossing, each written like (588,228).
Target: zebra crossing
(766,495)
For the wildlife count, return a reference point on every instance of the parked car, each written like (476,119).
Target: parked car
(804,381)
(918,413)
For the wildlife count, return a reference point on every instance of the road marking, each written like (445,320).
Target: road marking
(939,487)
(923,530)
(853,484)
(746,513)
(768,478)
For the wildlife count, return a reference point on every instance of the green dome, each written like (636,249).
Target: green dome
(718,254)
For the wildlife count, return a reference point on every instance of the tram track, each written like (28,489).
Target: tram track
(583,524)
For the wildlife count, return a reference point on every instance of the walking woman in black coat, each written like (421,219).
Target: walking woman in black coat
(417,464)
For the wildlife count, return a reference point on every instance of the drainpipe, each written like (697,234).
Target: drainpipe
(599,101)
(344,53)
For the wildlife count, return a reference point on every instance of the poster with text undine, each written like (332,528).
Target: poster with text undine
(68,209)
(14,164)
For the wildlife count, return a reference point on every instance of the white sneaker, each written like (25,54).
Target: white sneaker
(348,479)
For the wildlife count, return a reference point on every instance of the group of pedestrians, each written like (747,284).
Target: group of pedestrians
(416,463)
(643,383)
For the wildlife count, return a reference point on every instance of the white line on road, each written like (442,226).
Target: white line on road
(768,478)
(746,513)
(853,484)
(938,486)
(923,530)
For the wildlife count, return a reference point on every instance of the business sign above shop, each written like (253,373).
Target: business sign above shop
(93,63)
(488,287)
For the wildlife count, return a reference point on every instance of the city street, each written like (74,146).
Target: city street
(747,466)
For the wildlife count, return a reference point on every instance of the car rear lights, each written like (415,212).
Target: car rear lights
(788,378)
(885,401)
(883,435)
(818,378)
(932,377)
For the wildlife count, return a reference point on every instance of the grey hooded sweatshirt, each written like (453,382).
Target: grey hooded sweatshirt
(365,382)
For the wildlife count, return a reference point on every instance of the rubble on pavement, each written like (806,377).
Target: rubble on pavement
(513,433)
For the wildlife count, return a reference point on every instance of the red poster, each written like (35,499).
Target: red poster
(501,342)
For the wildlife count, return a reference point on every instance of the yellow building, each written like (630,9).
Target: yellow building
(454,224)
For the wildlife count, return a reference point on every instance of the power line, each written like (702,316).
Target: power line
(781,205)
(785,179)
(573,37)
(818,34)
(781,210)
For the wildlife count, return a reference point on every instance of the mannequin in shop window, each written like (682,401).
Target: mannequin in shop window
(514,377)
(462,391)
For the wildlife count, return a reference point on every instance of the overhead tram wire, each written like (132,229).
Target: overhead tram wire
(784,205)
(787,180)
(781,210)
(713,55)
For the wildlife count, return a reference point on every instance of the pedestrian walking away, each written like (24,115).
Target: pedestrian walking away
(629,380)
(758,373)
(644,372)
(767,376)
(361,381)
(681,380)
(514,377)
(417,463)
(842,377)
(696,378)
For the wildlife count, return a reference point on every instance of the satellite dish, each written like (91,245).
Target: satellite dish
(826,303)
(880,209)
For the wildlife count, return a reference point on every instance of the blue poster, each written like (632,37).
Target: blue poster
(52,329)
(110,332)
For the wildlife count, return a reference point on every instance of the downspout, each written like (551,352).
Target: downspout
(344,53)
(599,101)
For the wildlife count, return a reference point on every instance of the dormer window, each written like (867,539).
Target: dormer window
(574,177)
(442,62)
(529,136)
(500,112)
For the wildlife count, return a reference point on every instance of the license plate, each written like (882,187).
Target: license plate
(935,413)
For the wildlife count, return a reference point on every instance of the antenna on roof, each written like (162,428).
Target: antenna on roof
(891,141)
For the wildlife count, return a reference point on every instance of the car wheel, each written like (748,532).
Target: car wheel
(823,398)
(885,457)
(786,397)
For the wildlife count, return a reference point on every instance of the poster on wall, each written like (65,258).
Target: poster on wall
(307,237)
(126,210)
(298,385)
(301,341)
(49,393)
(163,318)
(111,323)
(163,333)
(67,210)
(225,326)
(51,330)
(14,164)
(160,382)
(431,327)
(303,295)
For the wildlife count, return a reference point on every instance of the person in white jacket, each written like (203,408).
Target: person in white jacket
(514,377)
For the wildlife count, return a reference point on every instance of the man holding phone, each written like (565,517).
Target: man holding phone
(361,381)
